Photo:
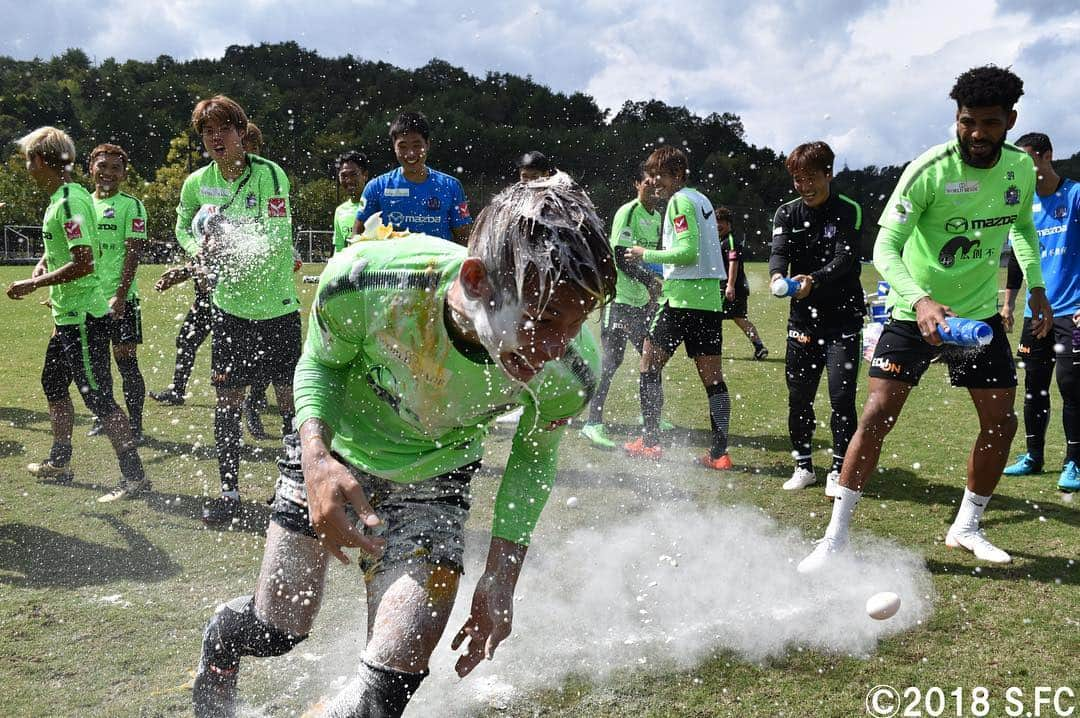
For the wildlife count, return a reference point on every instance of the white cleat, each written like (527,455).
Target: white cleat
(800,479)
(822,555)
(832,484)
(977,543)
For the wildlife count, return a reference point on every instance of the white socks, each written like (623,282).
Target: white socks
(971,511)
(843,508)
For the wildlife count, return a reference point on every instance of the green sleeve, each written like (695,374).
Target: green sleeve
(276,185)
(185,212)
(684,246)
(340,241)
(901,216)
(621,234)
(1025,242)
(331,345)
(527,480)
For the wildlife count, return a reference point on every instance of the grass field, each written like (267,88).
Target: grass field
(102,606)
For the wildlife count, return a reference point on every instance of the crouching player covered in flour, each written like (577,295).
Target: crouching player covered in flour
(414,348)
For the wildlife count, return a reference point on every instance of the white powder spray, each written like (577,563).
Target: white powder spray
(667,587)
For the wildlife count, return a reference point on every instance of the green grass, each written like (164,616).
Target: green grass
(102,607)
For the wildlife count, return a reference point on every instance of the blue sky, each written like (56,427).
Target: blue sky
(871,78)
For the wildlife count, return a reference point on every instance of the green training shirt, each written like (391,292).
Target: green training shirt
(694,271)
(70,222)
(945,225)
(255,263)
(405,402)
(344,221)
(121,218)
(633,226)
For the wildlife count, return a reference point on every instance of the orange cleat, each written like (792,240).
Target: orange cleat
(722,463)
(638,450)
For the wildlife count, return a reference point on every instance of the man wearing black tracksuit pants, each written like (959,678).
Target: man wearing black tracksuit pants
(816,242)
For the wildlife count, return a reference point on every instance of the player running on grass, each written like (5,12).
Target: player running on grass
(79,348)
(121,232)
(1057,219)
(938,247)
(737,288)
(242,202)
(816,239)
(414,348)
(690,309)
(636,224)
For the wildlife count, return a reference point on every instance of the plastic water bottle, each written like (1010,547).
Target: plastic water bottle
(784,287)
(967,333)
(882,288)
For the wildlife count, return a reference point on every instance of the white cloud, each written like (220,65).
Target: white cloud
(872,77)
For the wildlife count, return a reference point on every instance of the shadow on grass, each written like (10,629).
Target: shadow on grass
(41,558)
(1044,569)
(11,448)
(168,450)
(253,518)
(25,419)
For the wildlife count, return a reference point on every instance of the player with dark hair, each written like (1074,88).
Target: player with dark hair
(816,239)
(78,350)
(121,233)
(1057,220)
(690,308)
(234,219)
(533,165)
(414,348)
(940,241)
(737,289)
(636,224)
(352,175)
(415,197)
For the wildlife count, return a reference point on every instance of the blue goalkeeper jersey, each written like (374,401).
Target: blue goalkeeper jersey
(1057,221)
(433,207)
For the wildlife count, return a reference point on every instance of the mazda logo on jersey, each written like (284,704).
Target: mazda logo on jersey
(956,225)
(397,219)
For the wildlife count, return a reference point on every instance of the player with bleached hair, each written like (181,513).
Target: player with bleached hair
(414,348)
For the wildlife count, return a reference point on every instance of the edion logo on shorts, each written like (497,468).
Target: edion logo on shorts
(138,224)
(275,207)
(885,365)
(681,224)
(72,230)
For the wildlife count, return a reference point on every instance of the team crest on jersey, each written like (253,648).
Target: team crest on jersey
(108,213)
(1012,195)
(681,225)
(251,200)
(275,207)
(1060,212)
(830,231)
(72,230)
(138,224)
(433,203)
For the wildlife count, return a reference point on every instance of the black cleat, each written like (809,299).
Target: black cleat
(169,396)
(97,429)
(253,421)
(761,353)
(221,510)
(213,694)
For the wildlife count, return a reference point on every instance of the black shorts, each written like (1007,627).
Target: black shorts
(245,350)
(902,354)
(424,519)
(702,331)
(626,320)
(735,308)
(128,328)
(1032,348)
(80,353)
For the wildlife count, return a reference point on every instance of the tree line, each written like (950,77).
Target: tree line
(312,108)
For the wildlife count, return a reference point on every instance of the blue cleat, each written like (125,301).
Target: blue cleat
(1070,478)
(1024,466)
